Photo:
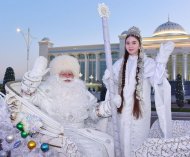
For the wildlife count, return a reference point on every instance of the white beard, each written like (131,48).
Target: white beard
(69,100)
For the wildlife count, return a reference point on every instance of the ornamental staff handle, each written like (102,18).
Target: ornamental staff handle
(104,14)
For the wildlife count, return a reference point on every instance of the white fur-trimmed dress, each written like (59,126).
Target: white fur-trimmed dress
(134,132)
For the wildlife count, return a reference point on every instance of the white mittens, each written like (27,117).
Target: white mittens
(39,68)
(165,51)
(32,79)
(104,108)
(117,101)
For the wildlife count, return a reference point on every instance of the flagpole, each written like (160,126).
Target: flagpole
(104,14)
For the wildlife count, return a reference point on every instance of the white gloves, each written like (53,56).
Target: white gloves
(32,79)
(117,100)
(104,108)
(39,68)
(165,51)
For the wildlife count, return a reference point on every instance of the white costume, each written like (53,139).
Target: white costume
(133,132)
(70,104)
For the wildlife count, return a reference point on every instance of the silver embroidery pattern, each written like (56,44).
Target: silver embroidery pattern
(156,146)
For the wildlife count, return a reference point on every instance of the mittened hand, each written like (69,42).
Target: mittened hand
(165,50)
(168,47)
(39,68)
(117,101)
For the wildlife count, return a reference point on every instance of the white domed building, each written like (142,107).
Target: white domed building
(178,63)
(169,28)
(92,57)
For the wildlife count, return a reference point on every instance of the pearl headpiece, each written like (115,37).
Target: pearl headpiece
(134,31)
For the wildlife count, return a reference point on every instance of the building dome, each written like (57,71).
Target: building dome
(45,39)
(124,33)
(169,28)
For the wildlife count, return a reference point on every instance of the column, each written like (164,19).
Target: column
(185,66)
(86,75)
(173,67)
(44,46)
(97,77)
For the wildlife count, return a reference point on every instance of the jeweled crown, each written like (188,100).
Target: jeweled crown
(134,31)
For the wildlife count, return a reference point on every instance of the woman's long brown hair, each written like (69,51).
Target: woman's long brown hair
(136,108)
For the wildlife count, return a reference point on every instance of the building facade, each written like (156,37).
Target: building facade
(92,57)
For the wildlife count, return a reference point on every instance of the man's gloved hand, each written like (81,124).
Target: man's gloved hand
(39,68)
(165,50)
(117,100)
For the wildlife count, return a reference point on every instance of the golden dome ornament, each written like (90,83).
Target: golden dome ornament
(31,144)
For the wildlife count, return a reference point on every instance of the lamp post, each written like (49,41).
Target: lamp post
(27,39)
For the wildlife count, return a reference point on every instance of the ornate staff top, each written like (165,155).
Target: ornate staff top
(103,10)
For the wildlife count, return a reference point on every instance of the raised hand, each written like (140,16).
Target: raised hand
(39,68)
(165,51)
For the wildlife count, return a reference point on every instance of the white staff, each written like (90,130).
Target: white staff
(104,14)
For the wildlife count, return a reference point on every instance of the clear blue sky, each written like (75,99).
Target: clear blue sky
(76,22)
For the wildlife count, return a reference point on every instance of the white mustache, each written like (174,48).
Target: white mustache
(63,78)
(66,79)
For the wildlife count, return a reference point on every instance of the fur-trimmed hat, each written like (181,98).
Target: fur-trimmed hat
(65,63)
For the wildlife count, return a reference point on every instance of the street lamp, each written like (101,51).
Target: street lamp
(27,39)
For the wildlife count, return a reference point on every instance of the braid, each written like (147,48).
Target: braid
(137,113)
(123,81)
(136,108)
